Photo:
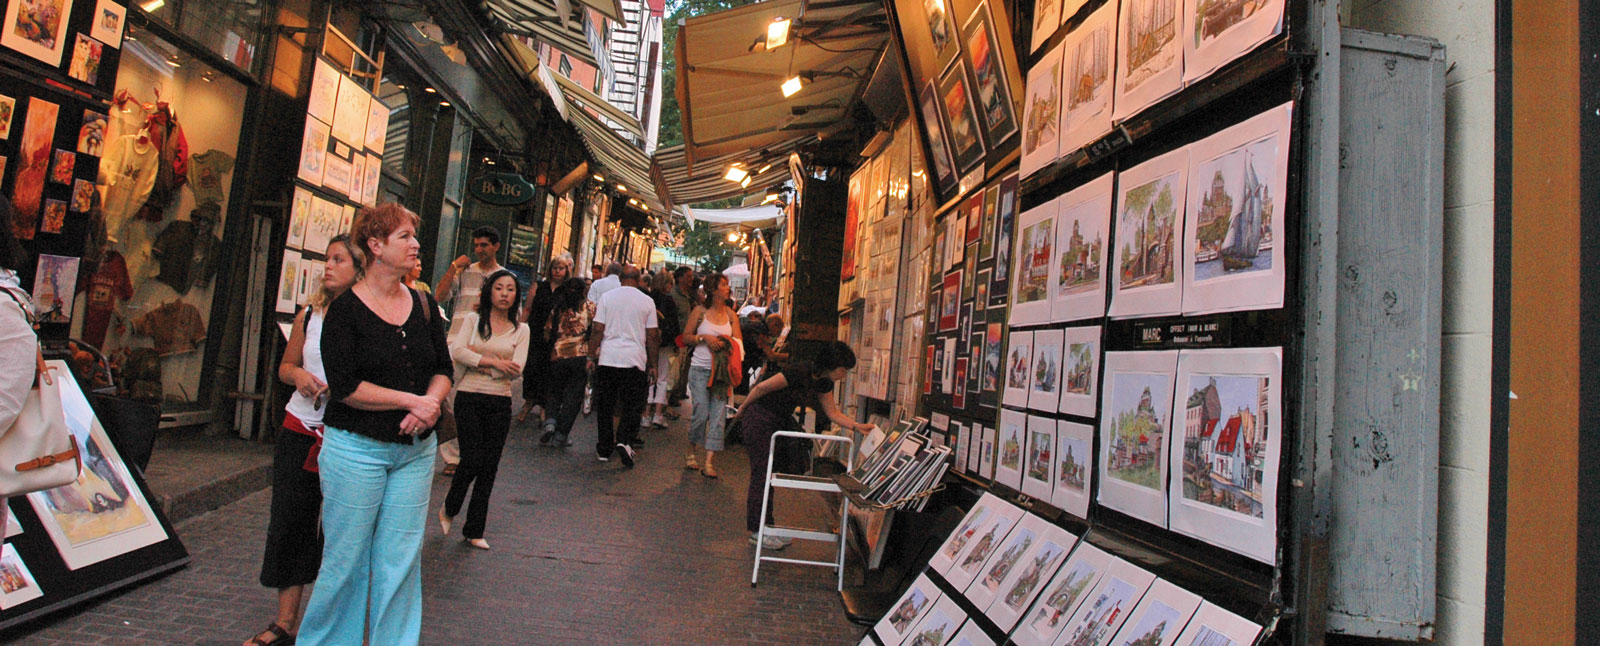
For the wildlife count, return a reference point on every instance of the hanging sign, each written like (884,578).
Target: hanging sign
(505,189)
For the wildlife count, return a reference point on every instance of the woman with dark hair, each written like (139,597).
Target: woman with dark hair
(712,330)
(568,329)
(770,408)
(492,347)
(385,390)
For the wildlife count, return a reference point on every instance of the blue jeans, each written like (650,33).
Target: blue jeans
(709,414)
(375,505)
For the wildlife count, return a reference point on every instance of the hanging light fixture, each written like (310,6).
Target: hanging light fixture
(733,236)
(777,32)
(790,87)
(736,173)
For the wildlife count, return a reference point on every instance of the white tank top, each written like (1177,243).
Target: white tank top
(702,353)
(301,406)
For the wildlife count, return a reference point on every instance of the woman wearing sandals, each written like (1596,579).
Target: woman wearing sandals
(385,389)
(492,347)
(710,327)
(568,327)
(294,542)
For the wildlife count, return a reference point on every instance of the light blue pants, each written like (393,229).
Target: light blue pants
(709,414)
(374,509)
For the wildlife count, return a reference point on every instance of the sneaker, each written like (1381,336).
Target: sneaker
(626,453)
(545,439)
(602,457)
(636,443)
(550,425)
(770,542)
(658,422)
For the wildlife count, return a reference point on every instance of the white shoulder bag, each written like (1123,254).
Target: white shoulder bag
(38,452)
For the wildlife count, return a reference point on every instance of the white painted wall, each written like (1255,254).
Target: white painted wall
(1466,27)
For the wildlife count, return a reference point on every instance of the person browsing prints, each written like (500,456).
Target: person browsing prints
(385,394)
(770,408)
(623,344)
(492,347)
(712,331)
(294,539)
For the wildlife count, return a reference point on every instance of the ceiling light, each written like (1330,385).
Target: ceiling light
(153,5)
(444,104)
(400,87)
(770,198)
(621,188)
(736,173)
(430,90)
(599,178)
(745,183)
(764,168)
(733,236)
(790,86)
(777,32)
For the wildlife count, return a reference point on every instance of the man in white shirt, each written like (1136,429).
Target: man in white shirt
(603,285)
(464,279)
(623,340)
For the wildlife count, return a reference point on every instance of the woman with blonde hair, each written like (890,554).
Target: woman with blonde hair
(294,542)
(376,463)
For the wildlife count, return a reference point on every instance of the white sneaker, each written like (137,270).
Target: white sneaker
(658,421)
(771,542)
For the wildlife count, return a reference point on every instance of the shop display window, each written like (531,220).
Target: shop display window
(164,180)
(230,29)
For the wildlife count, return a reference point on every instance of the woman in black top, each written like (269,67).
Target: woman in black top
(388,370)
(536,385)
(770,408)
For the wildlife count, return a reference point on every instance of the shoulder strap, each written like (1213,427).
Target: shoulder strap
(422,304)
(27,312)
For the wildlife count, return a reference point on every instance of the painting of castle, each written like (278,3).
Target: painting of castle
(1145,228)
(1138,429)
(1080,261)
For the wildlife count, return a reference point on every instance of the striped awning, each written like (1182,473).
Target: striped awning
(620,162)
(678,186)
(550,21)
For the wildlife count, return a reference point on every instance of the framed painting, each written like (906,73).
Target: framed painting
(1013,440)
(1018,369)
(966,142)
(1087,56)
(1045,380)
(288,282)
(972,217)
(37,28)
(950,302)
(1034,265)
(1148,277)
(991,200)
(948,372)
(8,109)
(1161,613)
(986,459)
(1149,55)
(33,164)
(1074,473)
(958,398)
(1038,467)
(993,345)
(942,31)
(1059,599)
(108,22)
(1005,221)
(1218,31)
(1233,242)
(1135,428)
(854,205)
(91,134)
(995,104)
(1080,371)
(1079,290)
(1029,575)
(1041,111)
(944,170)
(313,151)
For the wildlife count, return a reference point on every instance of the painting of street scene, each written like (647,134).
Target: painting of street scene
(1151,37)
(98,505)
(909,608)
(964,535)
(1097,620)
(1073,472)
(1082,250)
(1212,18)
(991,357)
(1159,625)
(1033,574)
(1043,109)
(1034,254)
(1138,420)
(1017,366)
(1080,367)
(1145,228)
(985,545)
(1233,228)
(933,630)
(1040,448)
(1061,599)
(1225,441)
(1011,447)
(1090,69)
(1046,366)
(1021,540)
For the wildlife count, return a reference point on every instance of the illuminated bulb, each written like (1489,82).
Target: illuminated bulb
(733,236)
(153,5)
(777,32)
(790,86)
(737,174)
(622,188)
(745,183)
(429,90)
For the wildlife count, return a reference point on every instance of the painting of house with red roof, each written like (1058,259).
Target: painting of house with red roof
(1225,442)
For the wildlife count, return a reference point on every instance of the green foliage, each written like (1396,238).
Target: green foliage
(709,250)
(671,133)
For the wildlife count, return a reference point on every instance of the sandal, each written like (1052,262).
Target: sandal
(690,463)
(280,636)
(708,471)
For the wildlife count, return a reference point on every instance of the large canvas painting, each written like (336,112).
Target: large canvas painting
(1074,469)
(1018,373)
(1039,464)
(1149,216)
(1029,575)
(1043,393)
(996,107)
(1218,31)
(1080,370)
(1034,264)
(1060,598)
(1159,616)
(966,142)
(1135,428)
(907,611)
(37,28)
(1011,447)
(1149,54)
(1233,241)
(1082,236)
(103,514)
(1225,455)
(981,592)
(1088,55)
(1213,626)
(943,166)
(33,165)
(1041,112)
(1106,608)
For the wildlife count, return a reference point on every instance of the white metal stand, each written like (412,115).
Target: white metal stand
(805,483)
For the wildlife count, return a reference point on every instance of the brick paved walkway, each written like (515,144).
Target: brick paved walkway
(584,553)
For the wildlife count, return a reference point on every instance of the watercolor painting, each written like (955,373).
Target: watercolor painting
(1006,215)
(1041,113)
(993,342)
(1033,573)
(1137,427)
(965,142)
(1035,252)
(92,134)
(1152,38)
(1234,221)
(106,25)
(1146,227)
(1017,544)
(61,166)
(1018,364)
(8,108)
(1070,584)
(1225,442)
(55,216)
(941,31)
(17,585)
(995,104)
(85,64)
(943,166)
(37,28)
(1219,31)
(1102,614)
(1087,83)
(82,195)
(33,157)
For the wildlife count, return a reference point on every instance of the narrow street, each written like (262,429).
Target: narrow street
(583,553)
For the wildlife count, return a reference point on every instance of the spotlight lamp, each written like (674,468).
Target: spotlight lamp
(777,32)
(790,87)
(733,236)
(736,173)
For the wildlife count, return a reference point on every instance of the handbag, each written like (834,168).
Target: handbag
(38,452)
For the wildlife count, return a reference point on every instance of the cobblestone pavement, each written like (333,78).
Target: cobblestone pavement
(584,553)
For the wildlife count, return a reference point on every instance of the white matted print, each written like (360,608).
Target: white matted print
(1018,369)
(1041,112)
(1043,393)
(1106,607)
(1135,425)
(17,585)
(1039,467)
(377,131)
(1224,465)
(1074,468)
(1218,31)
(37,28)
(1158,617)
(288,281)
(1233,241)
(350,112)
(1029,575)
(369,186)
(1147,279)
(299,215)
(1089,53)
(1046,18)
(971,634)
(1033,269)
(1149,54)
(969,562)
(102,514)
(1080,370)
(313,151)
(107,23)
(986,507)
(13,527)
(981,592)
(1062,595)
(1012,440)
(907,611)
(939,626)
(986,459)
(1213,626)
(1082,232)
(324,90)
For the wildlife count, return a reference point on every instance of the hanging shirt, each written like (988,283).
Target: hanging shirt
(128,173)
(186,254)
(176,328)
(206,171)
(108,285)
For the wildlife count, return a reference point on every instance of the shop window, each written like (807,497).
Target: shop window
(148,305)
(394,92)
(230,29)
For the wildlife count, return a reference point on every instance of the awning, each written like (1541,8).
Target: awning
(583,96)
(678,186)
(622,162)
(551,21)
(756,217)
(728,83)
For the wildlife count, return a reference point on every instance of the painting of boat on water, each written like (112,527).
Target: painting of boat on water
(1233,226)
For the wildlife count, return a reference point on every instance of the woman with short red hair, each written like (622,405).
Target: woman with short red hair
(388,374)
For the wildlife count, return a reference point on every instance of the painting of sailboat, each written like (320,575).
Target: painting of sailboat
(1233,231)
(1233,238)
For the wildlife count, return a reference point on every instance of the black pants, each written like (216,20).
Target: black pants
(758,425)
(482,422)
(537,377)
(618,391)
(567,380)
(294,535)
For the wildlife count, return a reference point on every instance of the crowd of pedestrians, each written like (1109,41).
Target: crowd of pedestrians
(379,369)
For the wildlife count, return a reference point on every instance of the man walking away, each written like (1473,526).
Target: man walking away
(623,342)
(610,282)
